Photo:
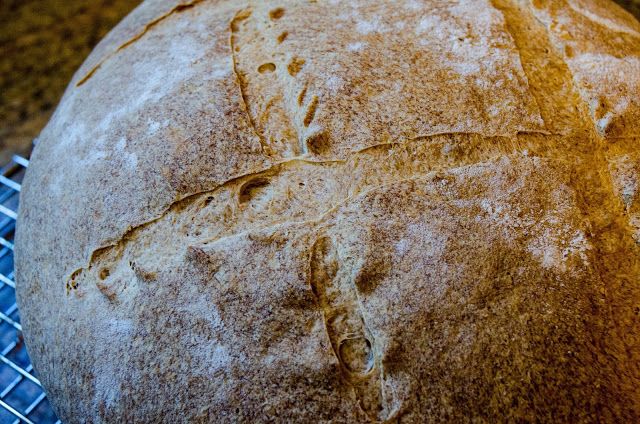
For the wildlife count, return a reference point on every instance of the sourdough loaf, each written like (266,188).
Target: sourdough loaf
(359,211)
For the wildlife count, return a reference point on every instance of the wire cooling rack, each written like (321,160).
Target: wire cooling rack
(21,397)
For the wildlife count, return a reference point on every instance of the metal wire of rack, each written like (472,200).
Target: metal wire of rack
(22,399)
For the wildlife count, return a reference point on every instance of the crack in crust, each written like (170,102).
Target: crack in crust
(177,9)
(478,154)
(264,82)
(241,15)
(351,341)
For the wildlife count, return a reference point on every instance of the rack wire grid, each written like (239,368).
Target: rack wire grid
(22,399)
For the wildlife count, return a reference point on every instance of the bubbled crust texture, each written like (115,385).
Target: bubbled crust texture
(360,211)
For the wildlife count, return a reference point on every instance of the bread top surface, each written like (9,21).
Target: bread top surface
(348,211)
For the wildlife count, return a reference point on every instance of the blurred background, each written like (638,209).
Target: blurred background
(42,43)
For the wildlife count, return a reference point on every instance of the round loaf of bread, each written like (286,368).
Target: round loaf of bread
(324,211)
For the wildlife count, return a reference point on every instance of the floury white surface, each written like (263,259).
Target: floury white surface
(348,212)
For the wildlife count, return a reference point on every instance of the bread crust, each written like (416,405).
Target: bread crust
(341,211)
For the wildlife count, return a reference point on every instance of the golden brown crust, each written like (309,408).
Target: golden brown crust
(396,211)
(601,45)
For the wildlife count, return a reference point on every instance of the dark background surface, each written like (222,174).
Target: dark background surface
(632,6)
(42,43)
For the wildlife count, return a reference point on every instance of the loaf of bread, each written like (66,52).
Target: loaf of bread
(341,211)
